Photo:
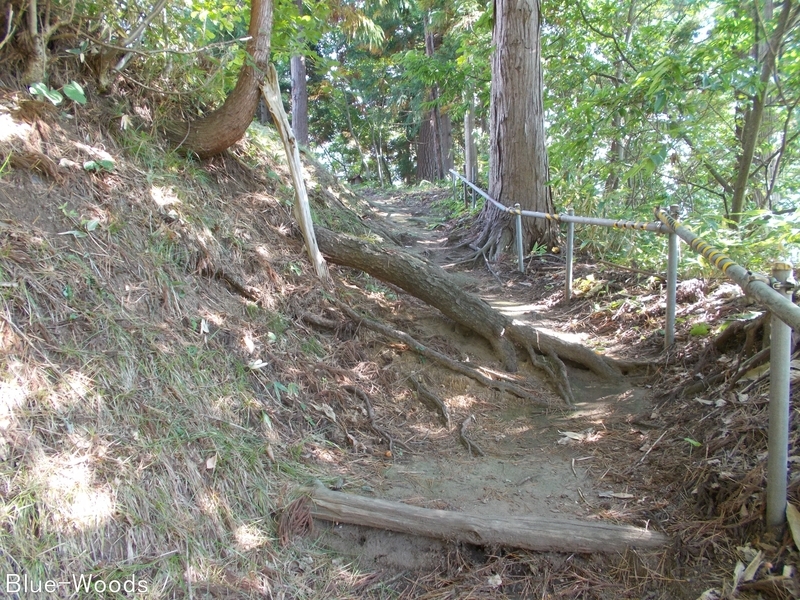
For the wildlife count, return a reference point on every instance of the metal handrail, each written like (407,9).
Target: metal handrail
(774,293)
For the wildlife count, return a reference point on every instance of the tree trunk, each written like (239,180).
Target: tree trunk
(470,149)
(299,100)
(427,158)
(518,166)
(225,126)
(435,142)
(299,94)
(753,117)
(434,285)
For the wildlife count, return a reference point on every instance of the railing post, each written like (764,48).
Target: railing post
(672,282)
(778,445)
(520,257)
(570,244)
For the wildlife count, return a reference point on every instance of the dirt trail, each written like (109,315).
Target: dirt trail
(530,467)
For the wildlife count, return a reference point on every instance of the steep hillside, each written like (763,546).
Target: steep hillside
(155,372)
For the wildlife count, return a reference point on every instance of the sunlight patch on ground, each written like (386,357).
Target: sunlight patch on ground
(249,537)
(163,196)
(73,501)
(11,129)
(74,388)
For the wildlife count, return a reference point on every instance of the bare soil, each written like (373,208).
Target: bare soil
(561,461)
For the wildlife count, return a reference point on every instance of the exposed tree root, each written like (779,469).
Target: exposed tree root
(362,395)
(424,280)
(548,345)
(561,380)
(431,400)
(435,286)
(472,447)
(454,365)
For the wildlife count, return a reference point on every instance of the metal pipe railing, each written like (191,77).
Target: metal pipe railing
(775,294)
(673,251)
(758,287)
(569,253)
(780,355)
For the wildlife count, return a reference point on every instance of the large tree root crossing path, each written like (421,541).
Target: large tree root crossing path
(521,405)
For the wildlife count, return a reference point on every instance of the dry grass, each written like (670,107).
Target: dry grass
(153,382)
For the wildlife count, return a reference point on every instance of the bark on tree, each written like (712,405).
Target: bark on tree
(299,100)
(470,148)
(435,139)
(518,166)
(225,126)
(299,94)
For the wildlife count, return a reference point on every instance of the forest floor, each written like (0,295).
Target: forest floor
(172,375)
(634,450)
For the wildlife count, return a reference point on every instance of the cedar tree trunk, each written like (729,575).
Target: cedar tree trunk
(518,167)
(299,94)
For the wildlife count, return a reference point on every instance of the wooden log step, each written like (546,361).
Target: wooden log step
(541,534)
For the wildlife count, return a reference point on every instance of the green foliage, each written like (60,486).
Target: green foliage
(72,90)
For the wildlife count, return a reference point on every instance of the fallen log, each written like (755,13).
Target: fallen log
(434,285)
(424,280)
(541,534)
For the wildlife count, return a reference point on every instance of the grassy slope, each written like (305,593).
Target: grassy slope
(136,441)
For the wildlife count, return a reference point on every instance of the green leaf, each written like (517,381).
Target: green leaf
(700,329)
(74,92)
(41,89)
(99,165)
(660,101)
(91,225)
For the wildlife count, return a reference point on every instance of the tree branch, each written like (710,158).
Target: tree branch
(752,124)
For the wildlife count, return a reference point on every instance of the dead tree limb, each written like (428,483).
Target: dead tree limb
(540,534)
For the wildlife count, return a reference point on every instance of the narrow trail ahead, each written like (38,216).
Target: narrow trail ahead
(537,461)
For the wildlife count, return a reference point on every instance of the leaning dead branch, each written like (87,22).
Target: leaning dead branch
(454,365)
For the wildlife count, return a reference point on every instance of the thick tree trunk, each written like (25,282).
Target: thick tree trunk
(427,151)
(225,126)
(518,167)
(434,285)
(435,142)
(299,100)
